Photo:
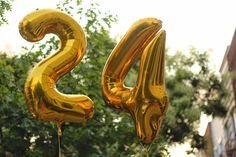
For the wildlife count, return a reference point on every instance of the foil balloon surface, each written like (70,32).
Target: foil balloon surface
(147,102)
(44,101)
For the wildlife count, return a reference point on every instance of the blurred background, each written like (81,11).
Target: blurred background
(200,79)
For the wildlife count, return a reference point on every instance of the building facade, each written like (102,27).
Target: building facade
(221,132)
(230,120)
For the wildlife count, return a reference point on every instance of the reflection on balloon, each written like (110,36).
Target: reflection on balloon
(147,102)
(44,101)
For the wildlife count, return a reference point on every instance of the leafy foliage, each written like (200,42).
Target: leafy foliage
(5,6)
(193,88)
(191,85)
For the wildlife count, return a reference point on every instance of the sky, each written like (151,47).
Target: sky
(204,24)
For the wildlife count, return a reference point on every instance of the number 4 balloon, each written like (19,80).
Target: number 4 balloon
(147,101)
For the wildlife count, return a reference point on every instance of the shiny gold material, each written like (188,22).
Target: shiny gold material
(44,101)
(147,101)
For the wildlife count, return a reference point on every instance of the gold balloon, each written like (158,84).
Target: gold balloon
(44,101)
(147,102)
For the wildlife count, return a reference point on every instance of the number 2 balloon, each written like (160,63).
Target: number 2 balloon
(44,101)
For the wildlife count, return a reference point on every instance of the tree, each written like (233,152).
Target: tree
(193,88)
(5,6)
(109,133)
